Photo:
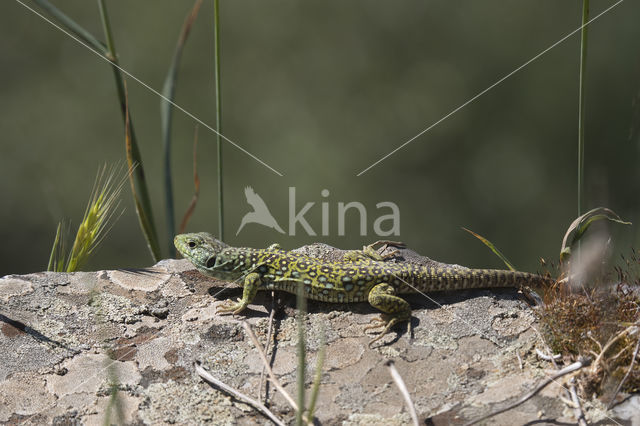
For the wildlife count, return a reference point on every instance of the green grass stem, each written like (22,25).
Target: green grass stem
(584,33)
(315,390)
(196,184)
(58,251)
(166,113)
(302,354)
(114,411)
(216,17)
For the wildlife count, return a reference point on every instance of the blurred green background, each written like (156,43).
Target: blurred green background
(320,91)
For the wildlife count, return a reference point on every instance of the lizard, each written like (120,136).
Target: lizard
(363,275)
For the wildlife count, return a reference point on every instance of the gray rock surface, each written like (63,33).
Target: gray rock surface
(68,340)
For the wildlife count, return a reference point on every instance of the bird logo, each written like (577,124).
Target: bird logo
(260,213)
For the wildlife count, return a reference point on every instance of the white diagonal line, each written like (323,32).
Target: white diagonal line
(489,88)
(151,89)
(473,327)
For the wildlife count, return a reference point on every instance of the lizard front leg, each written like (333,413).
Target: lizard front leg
(250,288)
(395,309)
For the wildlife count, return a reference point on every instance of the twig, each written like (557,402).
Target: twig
(569,403)
(577,408)
(272,377)
(623,350)
(549,351)
(633,360)
(240,396)
(594,340)
(546,347)
(403,390)
(611,342)
(519,359)
(576,366)
(547,357)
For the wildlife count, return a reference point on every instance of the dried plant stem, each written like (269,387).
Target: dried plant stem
(610,343)
(269,331)
(633,360)
(272,376)
(263,357)
(546,357)
(577,408)
(573,368)
(238,395)
(397,378)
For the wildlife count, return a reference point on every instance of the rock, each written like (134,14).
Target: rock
(71,341)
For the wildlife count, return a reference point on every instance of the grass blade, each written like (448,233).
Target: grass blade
(71,25)
(196,184)
(493,248)
(301,304)
(581,101)
(580,225)
(146,221)
(216,17)
(56,258)
(136,177)
(315,390)
(166,111)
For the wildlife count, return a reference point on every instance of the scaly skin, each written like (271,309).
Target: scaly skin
(362,276)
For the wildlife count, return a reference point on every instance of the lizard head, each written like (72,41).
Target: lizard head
(201,249)
(211,256)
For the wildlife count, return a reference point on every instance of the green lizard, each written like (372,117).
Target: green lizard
(362,276)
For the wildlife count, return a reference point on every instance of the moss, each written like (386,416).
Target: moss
(581,323)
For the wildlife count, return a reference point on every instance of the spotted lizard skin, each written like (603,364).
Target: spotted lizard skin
(361,276)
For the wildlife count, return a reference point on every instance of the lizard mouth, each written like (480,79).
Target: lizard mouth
(211,262)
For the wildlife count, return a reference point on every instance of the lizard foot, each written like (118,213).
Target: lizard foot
(391,255)
(229,307)
(387,243)
(373,253)
(387,323)
(383,322)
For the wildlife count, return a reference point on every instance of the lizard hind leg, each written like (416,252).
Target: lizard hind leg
(395,309)
(369,253)
(372,252)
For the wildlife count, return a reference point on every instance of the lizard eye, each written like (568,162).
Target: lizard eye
(191,244)
(211,262)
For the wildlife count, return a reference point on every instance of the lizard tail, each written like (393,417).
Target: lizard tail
(460,278)
(488,278)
